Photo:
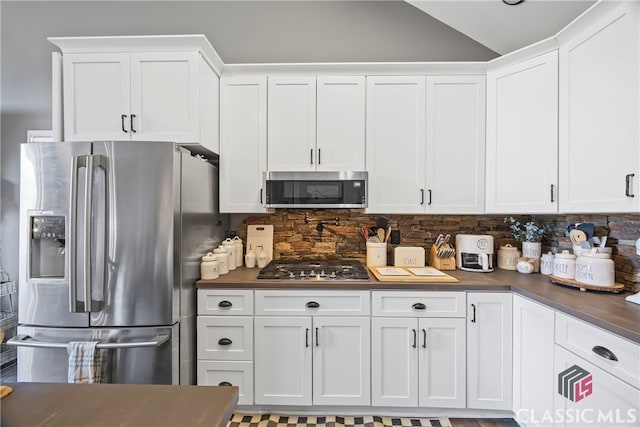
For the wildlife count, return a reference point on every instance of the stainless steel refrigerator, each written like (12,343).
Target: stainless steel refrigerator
(111,238)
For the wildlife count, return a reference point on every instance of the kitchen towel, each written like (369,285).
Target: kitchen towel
(85,363)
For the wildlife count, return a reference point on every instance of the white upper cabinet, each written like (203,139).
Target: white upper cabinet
(96,96)
(455,144)
(291,129)
(599,110)
(522,136)
(425,144)
(340,123)
(243,143)
(396,144)
(129,88)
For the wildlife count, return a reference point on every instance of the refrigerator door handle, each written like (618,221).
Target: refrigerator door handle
(76,163)
(27,341)
(94,161)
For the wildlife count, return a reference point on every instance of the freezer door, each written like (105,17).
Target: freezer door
(141,279)
(47,240)
(129,355)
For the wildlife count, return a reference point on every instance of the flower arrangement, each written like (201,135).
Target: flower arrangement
(527,232)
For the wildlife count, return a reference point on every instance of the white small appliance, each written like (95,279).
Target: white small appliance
(474,252)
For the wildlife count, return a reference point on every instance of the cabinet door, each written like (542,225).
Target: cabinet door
(442,362)
(243,143)
(590,395)
(394,362)
(291,130)
(533,371)
(396,144)
(340,123)
(489,344)
(522,136)
(599,110)
(455,144)
(164,96)
(96,96)
(341,361)
(282,360)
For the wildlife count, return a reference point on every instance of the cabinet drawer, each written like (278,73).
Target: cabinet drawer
(418,304)
(584,339)
(325,303)
(238,374)
(225,302)
(225,338)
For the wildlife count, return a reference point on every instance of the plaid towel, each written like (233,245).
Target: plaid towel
(85,364)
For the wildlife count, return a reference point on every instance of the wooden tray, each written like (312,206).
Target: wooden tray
(444,278)
(618,287)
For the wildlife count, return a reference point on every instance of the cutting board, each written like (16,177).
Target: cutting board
(406,275)
(260,235)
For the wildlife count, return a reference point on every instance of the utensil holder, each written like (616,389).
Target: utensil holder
(376,254)
(448,263)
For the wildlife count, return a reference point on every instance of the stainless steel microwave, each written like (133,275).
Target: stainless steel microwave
(315,189)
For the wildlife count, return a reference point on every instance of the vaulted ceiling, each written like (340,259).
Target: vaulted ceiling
(501,27)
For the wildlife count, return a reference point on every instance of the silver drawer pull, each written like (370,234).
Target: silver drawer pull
(604,352)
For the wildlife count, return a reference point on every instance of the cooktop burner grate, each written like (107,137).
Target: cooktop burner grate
(314,270)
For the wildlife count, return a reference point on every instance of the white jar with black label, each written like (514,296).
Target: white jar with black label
(564,265)
(209,267)
(230,246)
(595,268)
(222,255)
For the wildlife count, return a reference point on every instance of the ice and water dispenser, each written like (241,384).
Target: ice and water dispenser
(47,247)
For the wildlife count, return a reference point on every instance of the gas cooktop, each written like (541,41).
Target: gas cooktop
(314,270)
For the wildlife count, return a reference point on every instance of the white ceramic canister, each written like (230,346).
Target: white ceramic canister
(376,254)
(564,265)
(595,268)
(209,267)
(250,258)
(239,250)
(231,248)
(508,257)
(222,255)
(546,264)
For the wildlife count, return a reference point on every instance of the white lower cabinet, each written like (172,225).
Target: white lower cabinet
(533,370)
(418,360)
(307,359)
(489,355)
(225,340)
(588,395)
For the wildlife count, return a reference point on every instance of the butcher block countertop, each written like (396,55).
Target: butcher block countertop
(607,310)
(89,405)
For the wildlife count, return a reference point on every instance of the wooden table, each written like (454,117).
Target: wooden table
(49,404)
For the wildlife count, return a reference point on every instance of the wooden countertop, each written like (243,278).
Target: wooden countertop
(607,310)
(60,404)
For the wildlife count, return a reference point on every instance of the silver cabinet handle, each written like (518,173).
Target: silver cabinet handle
(27,341)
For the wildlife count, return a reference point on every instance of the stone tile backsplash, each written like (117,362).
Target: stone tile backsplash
(295,239)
